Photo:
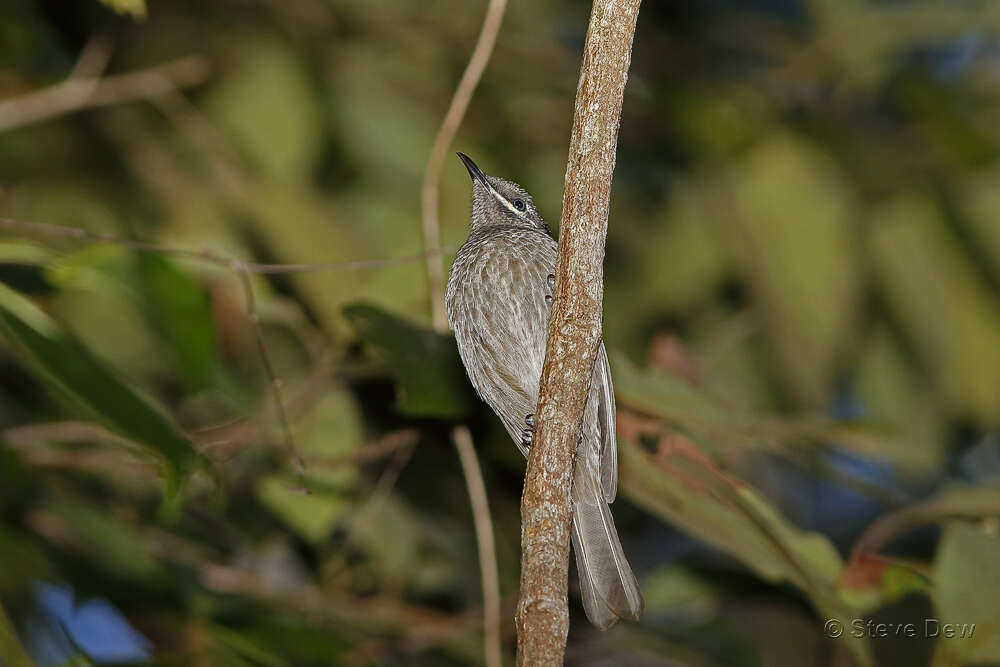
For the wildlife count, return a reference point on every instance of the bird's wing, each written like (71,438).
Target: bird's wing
(501,314)
(604,396)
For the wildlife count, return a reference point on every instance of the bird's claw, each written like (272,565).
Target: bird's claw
(528,434)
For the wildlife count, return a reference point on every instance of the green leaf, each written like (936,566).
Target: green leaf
(791,234)
(967,592)
(270,89)
(12,654)
(247,647)
(137,8)
(947,310)
(980,201)
(673,589)
(333,429)
(22,559)
(683,253)
(718,424)
(22,252)
(430,376)
(311,515)
(392,534)
(178,306)
(682,485)
(69,368)
(896,394)
(298,226)
(93,267)
(296,642)
(673,399)
(108,540)
(871,581)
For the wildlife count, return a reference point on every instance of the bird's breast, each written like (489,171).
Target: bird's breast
(499,296)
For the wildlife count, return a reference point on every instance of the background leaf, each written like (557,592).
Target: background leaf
(802,303)
(64,365)
(137,8)
(10,647)
(968,592)
(431,378)
(179,307)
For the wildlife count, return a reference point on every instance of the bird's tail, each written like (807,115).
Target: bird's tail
(608,587)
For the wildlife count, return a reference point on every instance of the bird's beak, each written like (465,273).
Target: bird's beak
(475,172)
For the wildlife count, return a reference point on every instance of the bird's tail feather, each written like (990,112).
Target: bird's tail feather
(607,585)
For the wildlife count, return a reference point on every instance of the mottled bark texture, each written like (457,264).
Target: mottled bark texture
(574,335)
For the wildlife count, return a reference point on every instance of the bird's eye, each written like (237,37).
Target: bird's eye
(520,205)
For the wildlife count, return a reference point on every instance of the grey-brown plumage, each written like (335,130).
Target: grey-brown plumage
(498,302)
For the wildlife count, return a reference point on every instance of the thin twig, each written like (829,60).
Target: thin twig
(217,441)
(383,487)
(34,443)
(449,127)
(243,270)
(435,284)
(219,154)
(402,451)
(485,542)
(29,435)
(574,335)
(99,461)
(387,444)
(205,254)
(93,59)
(88,92)
(889,526)
(387,480)
(273,381)
(420,626)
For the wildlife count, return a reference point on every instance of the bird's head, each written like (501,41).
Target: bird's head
(497,202)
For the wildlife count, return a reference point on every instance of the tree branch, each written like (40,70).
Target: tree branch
(83,92)
(574,334)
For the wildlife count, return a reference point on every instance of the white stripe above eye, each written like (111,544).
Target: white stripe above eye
(503,200)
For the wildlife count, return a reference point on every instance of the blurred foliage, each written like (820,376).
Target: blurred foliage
(802,308)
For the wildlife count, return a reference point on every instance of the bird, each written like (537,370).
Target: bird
(498,302)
